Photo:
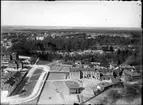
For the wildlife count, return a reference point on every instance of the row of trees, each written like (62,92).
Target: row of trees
(26,47)
(70,44)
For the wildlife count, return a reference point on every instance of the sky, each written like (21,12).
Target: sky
(71,13)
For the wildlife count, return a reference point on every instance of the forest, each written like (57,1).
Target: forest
(49,46)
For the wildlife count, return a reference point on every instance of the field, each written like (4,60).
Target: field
(56,76)
(49,95)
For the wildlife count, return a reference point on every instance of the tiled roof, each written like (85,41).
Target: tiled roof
(65,69)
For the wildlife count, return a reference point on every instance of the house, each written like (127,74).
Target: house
(6,43)
(74,87)
(26,64)
(80,73)
(8,86)
(129,76)
(5,58)
(14,56)
(16,64)
(20,64)
(95,63)
(105,71)
(89,73)
(39,37)
(13,64)
(85,66)
(31,38)
(13,78)
(78,63)
(127,67)
(105,77)
(117,73)
(75,73)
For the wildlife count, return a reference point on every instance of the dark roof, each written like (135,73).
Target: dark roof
(87,69)
(10,81)
(74,69)
(104,71)
(117,71)
(19,61)
(106,76)
(15,61)
(17,74)
(12,61)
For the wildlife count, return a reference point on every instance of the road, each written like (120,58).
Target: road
(37,89)
(49,92)
(41,88)
(49,95)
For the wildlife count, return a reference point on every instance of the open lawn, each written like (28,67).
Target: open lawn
(49,95)
(56,76)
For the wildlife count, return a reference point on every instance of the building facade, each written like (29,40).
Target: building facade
(5,57)
(15,64)
(75,73)
(80,73)
(14,56)
(74,87)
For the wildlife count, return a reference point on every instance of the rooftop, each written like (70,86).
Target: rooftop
(72,84)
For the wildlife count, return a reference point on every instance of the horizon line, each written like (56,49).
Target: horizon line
(67,27)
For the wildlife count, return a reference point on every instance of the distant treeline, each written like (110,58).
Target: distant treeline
(72,43)
(51,45)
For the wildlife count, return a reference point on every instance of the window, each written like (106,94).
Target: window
(77,91)
(88,75)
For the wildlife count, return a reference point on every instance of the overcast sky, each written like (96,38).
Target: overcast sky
(85,14)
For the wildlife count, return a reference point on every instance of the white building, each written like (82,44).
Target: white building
(39,37)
